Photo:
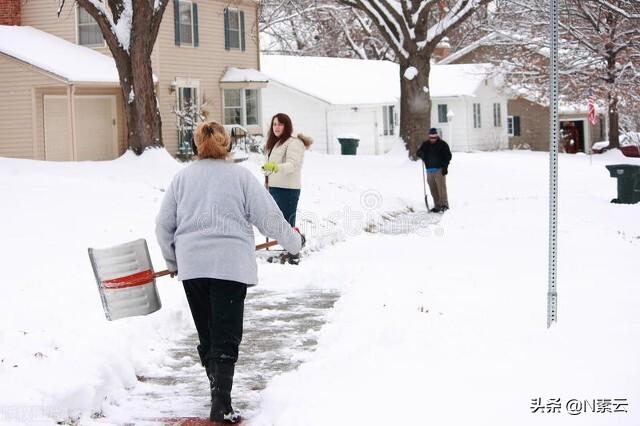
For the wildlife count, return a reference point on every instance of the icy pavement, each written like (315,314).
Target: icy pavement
(280,331)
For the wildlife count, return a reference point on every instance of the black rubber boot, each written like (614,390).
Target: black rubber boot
(221,380)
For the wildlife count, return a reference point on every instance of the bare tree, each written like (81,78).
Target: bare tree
(319,28)
(413,29)
(130,29)
(609,43)
(600,47)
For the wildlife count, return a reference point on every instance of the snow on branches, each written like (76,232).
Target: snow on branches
(416,25)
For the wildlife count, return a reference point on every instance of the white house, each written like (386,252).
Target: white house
(327,97)
(467,107)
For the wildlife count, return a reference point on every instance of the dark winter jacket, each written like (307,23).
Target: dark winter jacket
(435,155)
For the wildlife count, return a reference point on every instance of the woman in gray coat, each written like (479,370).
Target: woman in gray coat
(205,231)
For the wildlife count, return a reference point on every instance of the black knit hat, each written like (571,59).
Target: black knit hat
(433,131)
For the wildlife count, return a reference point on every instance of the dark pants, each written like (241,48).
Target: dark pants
(217,307)
(287,200)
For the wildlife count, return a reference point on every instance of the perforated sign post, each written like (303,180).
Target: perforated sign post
(552,294)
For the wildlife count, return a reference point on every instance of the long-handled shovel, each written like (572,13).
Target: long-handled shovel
(126,279)
(424,185)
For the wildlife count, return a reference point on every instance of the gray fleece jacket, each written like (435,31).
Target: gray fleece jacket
(204,227)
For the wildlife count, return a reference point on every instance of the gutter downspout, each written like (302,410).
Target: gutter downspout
(71,91)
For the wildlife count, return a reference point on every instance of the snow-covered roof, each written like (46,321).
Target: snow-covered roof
(242,75)
(447,81)
(70,61)
(337,81)
(342,81)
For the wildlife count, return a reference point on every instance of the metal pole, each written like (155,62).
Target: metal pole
(552,295)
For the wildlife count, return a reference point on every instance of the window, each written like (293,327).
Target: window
(477,119)
(89,33)
(388,119)
(442,113)
(186,23)
(497,116)
(241,106)
(234,29)
(513,126)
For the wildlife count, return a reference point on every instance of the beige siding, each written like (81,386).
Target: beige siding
(206,63)
(42,14)
(17,107)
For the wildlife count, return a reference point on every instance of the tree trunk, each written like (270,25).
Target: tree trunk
(143,117)
(614,130)
(415,103)
(144,124)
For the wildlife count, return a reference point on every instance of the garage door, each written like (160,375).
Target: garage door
(95,128)
(362,123)
(57,140)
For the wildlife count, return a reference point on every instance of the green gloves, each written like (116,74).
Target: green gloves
(269,168)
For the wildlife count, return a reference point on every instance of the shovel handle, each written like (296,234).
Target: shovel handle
(258,247)
(266,245)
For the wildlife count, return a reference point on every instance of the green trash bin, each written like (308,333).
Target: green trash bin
(348,145)
(628,176)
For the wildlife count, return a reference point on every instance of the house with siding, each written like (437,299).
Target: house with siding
(60,97)
(330,97)
(528,119)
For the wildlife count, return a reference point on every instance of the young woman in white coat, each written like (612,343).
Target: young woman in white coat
(284,155)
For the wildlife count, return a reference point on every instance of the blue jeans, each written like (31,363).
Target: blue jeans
(287,201)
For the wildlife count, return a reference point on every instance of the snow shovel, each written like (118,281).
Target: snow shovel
(126,280)
(424,185)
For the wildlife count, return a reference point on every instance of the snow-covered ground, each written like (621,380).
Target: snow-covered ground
(442,326)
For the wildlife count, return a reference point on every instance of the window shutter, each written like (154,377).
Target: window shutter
(195,25)
(516,126)
(242,44)
(176,20)
(226,29)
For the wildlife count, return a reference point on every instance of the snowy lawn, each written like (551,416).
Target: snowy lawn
(444,326)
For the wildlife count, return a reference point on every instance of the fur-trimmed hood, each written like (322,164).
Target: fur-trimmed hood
(306,140)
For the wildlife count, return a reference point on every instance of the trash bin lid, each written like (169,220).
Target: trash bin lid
(622,169)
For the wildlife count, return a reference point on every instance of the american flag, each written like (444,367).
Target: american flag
(591,109)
